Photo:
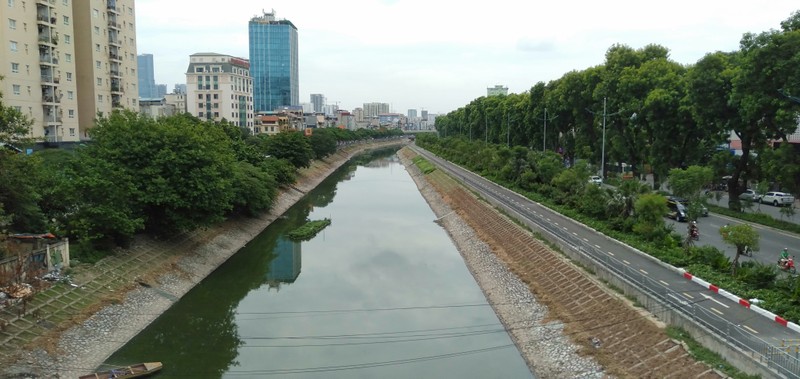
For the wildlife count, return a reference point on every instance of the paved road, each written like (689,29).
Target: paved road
(736,324)
(770,245)
(775,212)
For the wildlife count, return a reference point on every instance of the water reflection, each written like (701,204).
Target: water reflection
(383,294)
(285,266)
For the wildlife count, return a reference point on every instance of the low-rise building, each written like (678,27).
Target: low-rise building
(219,87)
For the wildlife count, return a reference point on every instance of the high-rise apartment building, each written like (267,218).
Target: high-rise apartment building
(37,61)
(146,76)
(105,46)
(318,101)
(220,86)
(274,60)
(412,114)
(374,109)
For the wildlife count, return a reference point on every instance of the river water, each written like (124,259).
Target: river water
(380,293)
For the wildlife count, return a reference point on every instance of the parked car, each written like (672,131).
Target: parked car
(703,209)
(677,211)
(596,180)
(777,199)
(749,194)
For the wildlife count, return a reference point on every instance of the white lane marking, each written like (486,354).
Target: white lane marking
(610,253)
(664,283)
(715,310)
(556,224)
(565,228)
(585,240)
(714,300)
(644,272)
(687,295)
(598,246)
(626,262)
(750,329)
(575,234)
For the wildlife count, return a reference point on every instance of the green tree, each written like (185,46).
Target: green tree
(182,169)
(323,143)
(689,184)
(740,236)
(649,216)
(19,193)
(292,146)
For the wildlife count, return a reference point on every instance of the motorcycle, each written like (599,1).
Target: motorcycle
(695,234)
(787,265)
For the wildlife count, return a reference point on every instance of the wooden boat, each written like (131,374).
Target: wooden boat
(133,371)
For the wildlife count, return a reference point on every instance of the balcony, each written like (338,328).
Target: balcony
(115,74)
(45,20)
(50,99)
(116,90)
(114,42)
(49,79)
(113,25)
(114,57)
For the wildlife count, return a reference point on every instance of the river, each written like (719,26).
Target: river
(380,293)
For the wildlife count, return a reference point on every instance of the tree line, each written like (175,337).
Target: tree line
(644,109)
(143,175)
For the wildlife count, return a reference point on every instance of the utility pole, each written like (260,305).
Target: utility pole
(603,152)
(544,138)
(508,130)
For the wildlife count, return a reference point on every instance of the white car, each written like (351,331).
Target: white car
(596,180)
(777,199)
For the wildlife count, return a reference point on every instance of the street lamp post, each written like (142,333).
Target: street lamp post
(544,137)
(603,149)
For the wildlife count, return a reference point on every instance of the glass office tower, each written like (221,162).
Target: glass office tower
(273,63)
(147,81)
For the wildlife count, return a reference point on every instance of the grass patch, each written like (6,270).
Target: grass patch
(424,165)
(758,218)
(707,356)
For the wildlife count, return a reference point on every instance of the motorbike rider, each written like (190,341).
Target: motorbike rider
(694,232)
(784,259)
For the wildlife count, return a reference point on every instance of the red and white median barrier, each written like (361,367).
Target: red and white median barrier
(743,302)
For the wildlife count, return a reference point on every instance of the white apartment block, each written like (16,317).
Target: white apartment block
(220,87)
(38,62)
(374,109)
(66,60)
(177,100)
(105,42)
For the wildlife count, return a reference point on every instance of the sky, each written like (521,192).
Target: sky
(439,55)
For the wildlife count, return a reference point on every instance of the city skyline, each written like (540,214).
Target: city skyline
(441,55)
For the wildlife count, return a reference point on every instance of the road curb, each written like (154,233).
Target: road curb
(743,302)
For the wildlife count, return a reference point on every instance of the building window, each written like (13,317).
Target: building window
(216,96)
(16,88)
(13,46)
(216,114)
(66,2)
(71,113)
(69,76)
(98,64)
(71,130)
(68,57)
(12,24)
(200,96)
(99,82)
(97,47)
(99,98)
(66,20)
(15,68)
(70,95)
(95,13)
(67,39)
(97,30)
(200,114)
(216,105)
(199,69)
(199,105)
(10,3)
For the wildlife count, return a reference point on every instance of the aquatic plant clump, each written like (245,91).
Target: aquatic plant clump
(308,230)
